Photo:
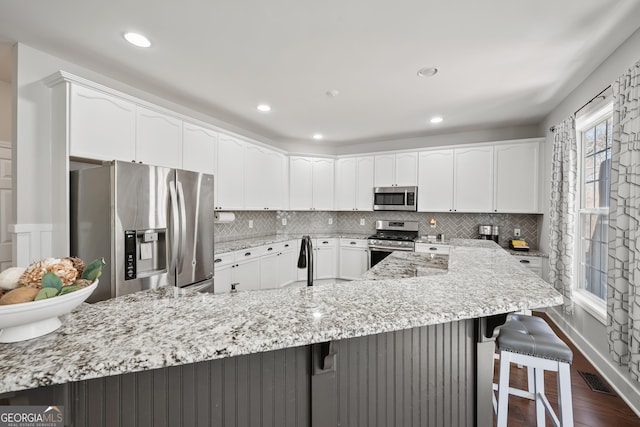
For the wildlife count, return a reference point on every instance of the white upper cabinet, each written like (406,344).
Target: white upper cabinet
(435,181)
(158,138)
(300,183)
(385,170)
(230,173)
(473,179)
(263,178)
(199,147)
(364,186)
(101,126)
(396,169)
(323,175)
(311,183)
(517,177)
(354,184)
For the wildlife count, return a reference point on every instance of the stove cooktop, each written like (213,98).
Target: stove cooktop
(383,235)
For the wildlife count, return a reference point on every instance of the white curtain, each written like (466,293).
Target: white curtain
(623,281)
(562,210)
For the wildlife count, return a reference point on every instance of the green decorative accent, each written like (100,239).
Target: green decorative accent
(93,270)
(50,280)
(70,288)
(46,293)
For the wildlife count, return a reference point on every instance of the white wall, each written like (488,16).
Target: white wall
(5,111)
(584,329)
(468,137)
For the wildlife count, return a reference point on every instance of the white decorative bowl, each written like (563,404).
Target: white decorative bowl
(23,321)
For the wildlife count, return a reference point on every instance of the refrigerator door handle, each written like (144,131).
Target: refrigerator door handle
(173,198)
(183,227)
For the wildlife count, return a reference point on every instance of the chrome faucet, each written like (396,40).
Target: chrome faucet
(305,259)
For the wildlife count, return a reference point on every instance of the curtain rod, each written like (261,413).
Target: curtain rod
(552,128)
(593,99)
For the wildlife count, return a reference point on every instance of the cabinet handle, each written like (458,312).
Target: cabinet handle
(525,261)
(325,242)
(286,246)
(353,243)
(433,249)
(217,260)
(269,249)
(247,254)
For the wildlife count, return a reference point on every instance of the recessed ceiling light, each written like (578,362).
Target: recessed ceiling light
(317,136)
(427,72)
(137,39)
(265,108)
(436,119)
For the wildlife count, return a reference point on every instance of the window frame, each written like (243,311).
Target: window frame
(585,299)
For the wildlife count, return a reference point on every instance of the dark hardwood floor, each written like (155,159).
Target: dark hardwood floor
(590,408)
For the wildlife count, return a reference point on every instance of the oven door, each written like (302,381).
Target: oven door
(378,254)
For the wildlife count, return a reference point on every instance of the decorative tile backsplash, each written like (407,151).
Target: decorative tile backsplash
(462,225)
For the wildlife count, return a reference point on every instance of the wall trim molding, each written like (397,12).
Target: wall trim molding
(30,242)
(624,386)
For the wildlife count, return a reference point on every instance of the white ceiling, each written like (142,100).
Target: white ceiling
(501,62)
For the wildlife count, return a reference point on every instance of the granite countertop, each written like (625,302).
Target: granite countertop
(401,265)
(168,327)
(241,244)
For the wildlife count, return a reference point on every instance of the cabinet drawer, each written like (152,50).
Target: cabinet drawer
(272,249)
(529,261)
(221,260)
(324,242)
(532,263)
(247,254)
(354,243)
(432,248)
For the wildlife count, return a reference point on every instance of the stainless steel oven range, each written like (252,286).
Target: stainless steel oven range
(392,236)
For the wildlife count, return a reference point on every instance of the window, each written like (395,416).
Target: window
(594,164)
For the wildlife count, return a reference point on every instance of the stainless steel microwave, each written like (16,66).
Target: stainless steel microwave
(395,198)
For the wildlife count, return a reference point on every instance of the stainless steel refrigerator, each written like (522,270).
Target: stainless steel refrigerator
(153,226)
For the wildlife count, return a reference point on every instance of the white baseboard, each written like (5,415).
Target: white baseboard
(617,377)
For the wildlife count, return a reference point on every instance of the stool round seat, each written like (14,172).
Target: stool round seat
(534,337)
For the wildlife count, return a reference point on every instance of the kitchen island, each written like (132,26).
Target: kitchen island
(294,356)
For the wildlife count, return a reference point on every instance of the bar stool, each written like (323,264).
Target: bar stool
(529,341)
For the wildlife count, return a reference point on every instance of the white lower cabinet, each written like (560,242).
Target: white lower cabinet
(241,269)
(325,259)
(354,258)
(277,265)
(247,274)
(262,267)
(223,264)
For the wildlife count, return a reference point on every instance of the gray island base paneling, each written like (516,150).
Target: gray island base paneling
(416,377)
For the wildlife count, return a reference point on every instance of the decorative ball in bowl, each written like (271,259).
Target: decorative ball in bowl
(32,298)
(26,320)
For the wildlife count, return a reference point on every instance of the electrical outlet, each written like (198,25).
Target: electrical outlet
(516,232)
(250,223)
(361,221)
(330,221)
(284,221)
